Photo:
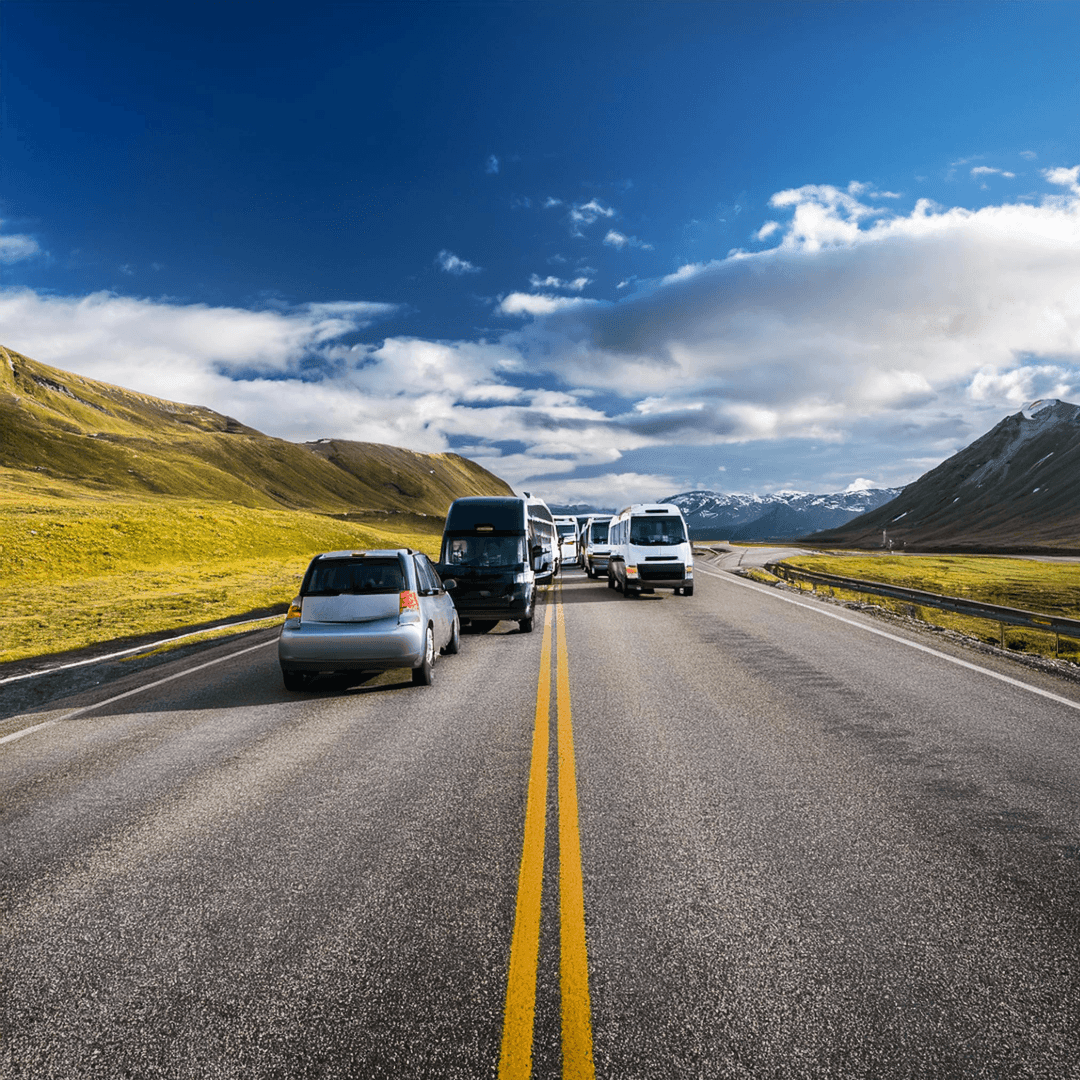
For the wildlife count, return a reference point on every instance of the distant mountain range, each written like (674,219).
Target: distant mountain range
(711,515)
(1015,489)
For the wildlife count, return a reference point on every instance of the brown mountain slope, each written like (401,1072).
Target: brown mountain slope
(1015,489)
(110,440)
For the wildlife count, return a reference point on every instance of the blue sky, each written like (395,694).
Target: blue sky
(611,251)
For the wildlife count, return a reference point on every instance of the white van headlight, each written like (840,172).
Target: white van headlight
(631,571)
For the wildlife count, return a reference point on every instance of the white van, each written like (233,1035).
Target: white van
(595,547)
(650,550)
(567,527)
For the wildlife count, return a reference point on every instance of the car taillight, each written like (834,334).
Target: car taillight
(409,607)
(294,610)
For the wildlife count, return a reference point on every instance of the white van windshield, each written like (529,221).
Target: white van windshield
(653,531)
(501,551)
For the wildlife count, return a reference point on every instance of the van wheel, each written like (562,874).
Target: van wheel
(525,625)
(421,676)
(688,590)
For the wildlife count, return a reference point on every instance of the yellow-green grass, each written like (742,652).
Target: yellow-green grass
(1043,587)
(79,571)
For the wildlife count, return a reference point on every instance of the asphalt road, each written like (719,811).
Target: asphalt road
(765,840)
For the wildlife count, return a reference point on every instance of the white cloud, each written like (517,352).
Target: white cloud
(1069,178)
(452,264)
(518,303)
(986,170)
(861,484)
(612,490)
(620,240)
(491,165)
(14,248)
(1028,155)
(859,312)
(552,282)
(767,230)
(905,333)
(582,214)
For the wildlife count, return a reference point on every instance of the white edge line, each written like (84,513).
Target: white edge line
(768,590)
(131,693)
(148,647)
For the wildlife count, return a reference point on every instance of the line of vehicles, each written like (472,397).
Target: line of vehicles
(392,608)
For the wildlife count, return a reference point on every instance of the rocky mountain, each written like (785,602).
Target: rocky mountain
(1015,489)
(711,515)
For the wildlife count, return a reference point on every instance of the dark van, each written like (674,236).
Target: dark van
(498,551)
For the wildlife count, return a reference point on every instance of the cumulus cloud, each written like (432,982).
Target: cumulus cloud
(583,214)
(14,248)
(452,264)
(1069,178)
(862,326)
(518,303)
(859,312)
(612,490)
(620,240)
(552,282)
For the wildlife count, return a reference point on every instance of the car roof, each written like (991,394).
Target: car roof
(377,553)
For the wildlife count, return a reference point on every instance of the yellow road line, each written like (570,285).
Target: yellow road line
(515,1059)
(577,1044)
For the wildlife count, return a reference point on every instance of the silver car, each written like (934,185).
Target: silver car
(368,611)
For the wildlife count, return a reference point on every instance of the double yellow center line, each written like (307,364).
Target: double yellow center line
(515,1061)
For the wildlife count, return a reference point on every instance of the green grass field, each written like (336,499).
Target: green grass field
(1043,587)
(81,571)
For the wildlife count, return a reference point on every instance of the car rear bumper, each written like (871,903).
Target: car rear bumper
(376,646)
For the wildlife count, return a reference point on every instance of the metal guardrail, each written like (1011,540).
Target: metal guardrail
(1003,616)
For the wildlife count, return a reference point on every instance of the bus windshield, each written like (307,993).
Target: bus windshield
(500,551)
(598,534)
(653,531)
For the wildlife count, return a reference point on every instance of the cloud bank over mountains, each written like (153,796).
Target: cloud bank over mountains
(858,323)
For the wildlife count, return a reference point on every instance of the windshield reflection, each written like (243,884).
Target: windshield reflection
(657,530)
(491,551)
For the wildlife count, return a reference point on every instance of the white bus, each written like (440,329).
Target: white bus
(650,550)
(567,526)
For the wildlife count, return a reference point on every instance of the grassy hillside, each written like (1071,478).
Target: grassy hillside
(110,440)
(1047,588)
(123,515)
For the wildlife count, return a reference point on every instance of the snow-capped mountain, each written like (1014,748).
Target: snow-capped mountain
(1015,488)
(711,515)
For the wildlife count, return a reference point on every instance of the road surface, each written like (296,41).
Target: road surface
(739,834)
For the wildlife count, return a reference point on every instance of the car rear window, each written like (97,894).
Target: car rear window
(332,577)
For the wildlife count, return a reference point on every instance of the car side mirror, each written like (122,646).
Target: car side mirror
(449,584)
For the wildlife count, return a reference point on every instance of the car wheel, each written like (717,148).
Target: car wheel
(688,590)
(421,676)
(295,680)
(453,646)
(525,625)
